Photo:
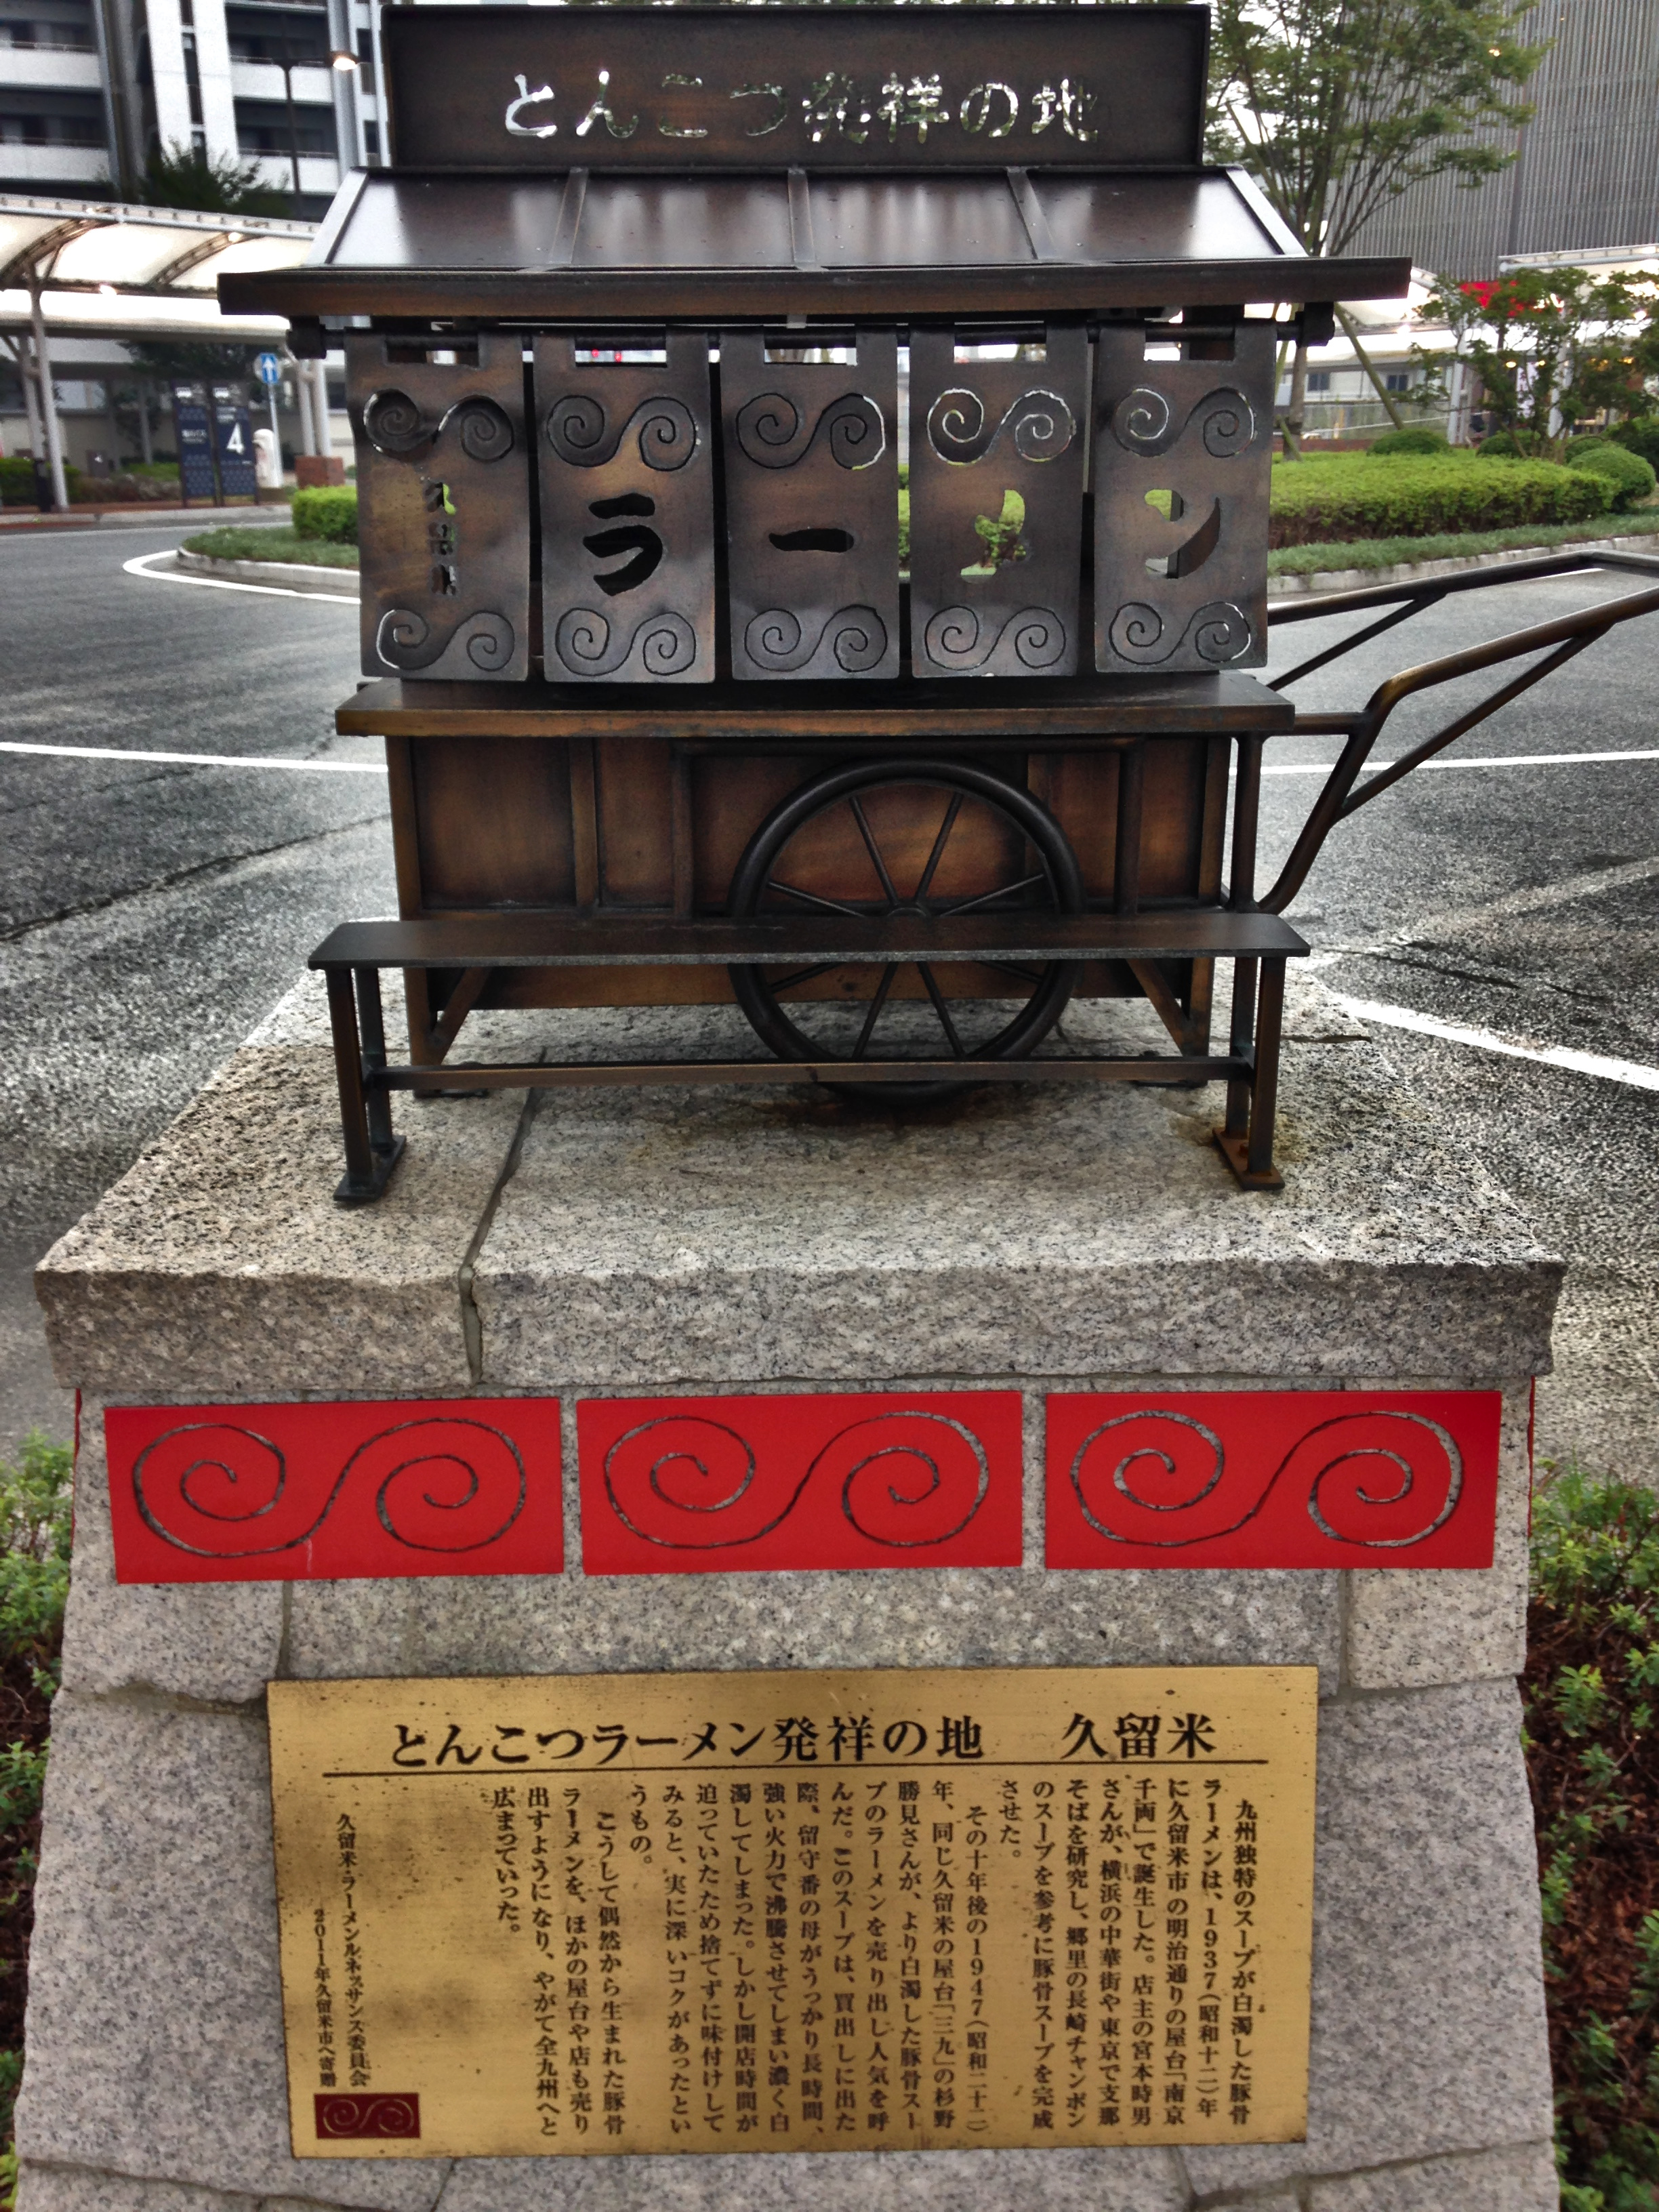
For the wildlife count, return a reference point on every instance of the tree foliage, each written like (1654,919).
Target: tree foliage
(178,176)
(1552,348)
(1335,106)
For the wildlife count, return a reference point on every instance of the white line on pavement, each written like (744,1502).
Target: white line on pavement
(1499,760)
(201,760)
(1630,1072)
(141,567)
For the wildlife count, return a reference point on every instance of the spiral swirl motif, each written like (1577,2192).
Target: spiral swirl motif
(907,1479)
(1219,633)
(1143,422)
(1382,1480)
(221,1492)
(485,429)
(365,2118)
(953,634)
(1150,1463)
(774,639)
(442,1483)
(589,645)
(1040,423)
(1386,1480)
(690,1483)
(404,640)
(773,433)
(393,424)
(576,430)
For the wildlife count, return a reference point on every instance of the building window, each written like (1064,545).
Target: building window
(1319,380)
(1396,379)
(372,142)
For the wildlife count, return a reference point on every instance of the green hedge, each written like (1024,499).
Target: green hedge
(18,480)
(1639,436)
(1349,495)
(1411,438)
(330,512)
(1632,478)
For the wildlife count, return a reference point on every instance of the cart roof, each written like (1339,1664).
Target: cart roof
(718,163)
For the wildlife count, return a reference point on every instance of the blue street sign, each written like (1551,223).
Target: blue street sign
(269,369)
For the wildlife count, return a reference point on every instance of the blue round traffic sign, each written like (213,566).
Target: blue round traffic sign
(267,368)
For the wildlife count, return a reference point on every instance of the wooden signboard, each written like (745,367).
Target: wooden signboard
(905,1910)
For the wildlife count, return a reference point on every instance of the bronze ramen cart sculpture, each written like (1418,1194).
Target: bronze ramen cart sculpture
(678,708)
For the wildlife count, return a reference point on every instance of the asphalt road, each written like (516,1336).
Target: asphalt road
(150,914)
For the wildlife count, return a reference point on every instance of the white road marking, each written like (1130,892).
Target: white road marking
(1431,925)
(201,760)
(1629,1072)
(1497,760)
(141,567)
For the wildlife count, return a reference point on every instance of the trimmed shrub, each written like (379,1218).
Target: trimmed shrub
(1630,476)
(1415,438)
(1349,496)
(328,512)
(1639,436)
(1502,446)
(17,479)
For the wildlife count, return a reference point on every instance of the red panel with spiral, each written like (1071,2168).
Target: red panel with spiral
(715,1485)
(318,1492)
(1272,1479)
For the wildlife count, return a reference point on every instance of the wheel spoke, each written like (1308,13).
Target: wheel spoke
(874,851)
(939,843)
(942,1011)
(803,975)
(811,899)
(876,1004)
(1004,890)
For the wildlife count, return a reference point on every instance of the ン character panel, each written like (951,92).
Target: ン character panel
(1183,457)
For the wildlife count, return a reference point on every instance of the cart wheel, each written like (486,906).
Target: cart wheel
(945,839)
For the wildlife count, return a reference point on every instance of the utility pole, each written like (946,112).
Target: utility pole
(48,405)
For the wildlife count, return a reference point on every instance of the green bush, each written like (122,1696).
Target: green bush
(1415,438)
(18,480)
(1348,495)
(1502,446)
(1592,1674)
(1639,436)
(1632,478)
(329,512)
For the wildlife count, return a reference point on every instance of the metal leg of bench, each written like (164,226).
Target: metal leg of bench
(1249,1149)
(1240,1041)
(371,1150)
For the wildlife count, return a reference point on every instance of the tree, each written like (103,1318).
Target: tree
(1336,106)
(1552,348)
(216,184)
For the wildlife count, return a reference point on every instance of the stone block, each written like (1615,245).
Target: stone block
(851,2181)
(657,1235)
(220,1265)
(74,2189)
(1428,1992)
(1518,2178)
(219,1643)
(1409,1628)
(155,2035)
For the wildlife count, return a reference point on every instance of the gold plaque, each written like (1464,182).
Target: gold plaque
(907,1910)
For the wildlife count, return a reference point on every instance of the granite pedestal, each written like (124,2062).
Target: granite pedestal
(618,1241)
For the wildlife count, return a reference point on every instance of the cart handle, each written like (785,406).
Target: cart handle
(1559,640)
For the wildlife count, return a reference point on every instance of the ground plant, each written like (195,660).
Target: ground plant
(1592,1697)
(1349,495)
(34,1550)
(1322,558)
(257,541)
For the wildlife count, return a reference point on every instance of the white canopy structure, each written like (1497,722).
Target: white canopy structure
(101,269)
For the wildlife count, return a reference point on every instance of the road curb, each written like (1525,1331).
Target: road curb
(1320,581)
(297,574)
